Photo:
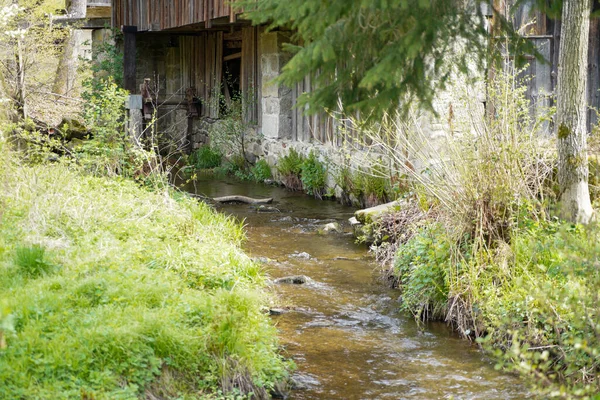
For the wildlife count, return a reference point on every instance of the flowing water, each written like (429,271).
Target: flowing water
(343,328)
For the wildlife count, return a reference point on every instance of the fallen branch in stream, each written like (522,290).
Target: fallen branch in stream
(232,199)
(242,199)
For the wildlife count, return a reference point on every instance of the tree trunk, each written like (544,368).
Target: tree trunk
(20,91)
(593,74)
(571,112)
(67,68)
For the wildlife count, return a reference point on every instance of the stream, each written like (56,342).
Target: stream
(343,328)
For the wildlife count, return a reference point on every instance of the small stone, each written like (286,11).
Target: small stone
(304,255)
(294,280)
(277,311)
(353,221)
(263,260)
(267,209)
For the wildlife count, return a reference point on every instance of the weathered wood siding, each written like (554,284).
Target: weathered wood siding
(155,15)
(251,76)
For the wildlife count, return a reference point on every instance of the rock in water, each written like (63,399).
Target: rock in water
(277,311)
(369,215)
(304,255)
(295,280)
(332,227)
(267,209)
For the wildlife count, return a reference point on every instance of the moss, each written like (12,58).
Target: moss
(563,131)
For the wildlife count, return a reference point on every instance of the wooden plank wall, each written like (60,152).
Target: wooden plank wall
(251,75)
(316,128)
(200,59)
(157,15)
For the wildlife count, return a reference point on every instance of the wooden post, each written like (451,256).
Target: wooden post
(129,58)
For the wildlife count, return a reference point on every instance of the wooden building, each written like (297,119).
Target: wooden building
(198,55)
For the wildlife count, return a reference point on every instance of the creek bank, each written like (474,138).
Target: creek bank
(501,294)
(94,257)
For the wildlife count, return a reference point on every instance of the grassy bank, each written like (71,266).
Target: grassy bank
(477,244)
(533,302)
(112,292)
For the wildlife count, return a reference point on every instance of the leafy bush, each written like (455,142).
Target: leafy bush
(154,298)
(420,268)
(312,173)
(111,151)
(290,169)
(107,61)
(205,158)
(261,171)
(544,321)
(371,186)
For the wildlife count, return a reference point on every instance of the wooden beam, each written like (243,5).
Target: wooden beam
(232,56)
(129,55)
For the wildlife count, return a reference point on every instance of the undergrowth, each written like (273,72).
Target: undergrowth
(487,257)
(110,291)
(290,169)
(312,175)
(205,158)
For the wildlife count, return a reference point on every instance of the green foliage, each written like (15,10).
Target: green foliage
(106,62)
(420,269)
(312,173)
(373,185)
(261,171)
(291,164)
(205,158)
(111,151)
(31,261)
(229,133)
(369,186)
(545,324)
(154,297)
(386,48)
(290,169)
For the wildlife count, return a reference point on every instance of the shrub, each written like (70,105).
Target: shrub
(312,173)
(372,186)
(543,322)
(261,171)
(205,158)
(421,267)
(111,151)
(290,169)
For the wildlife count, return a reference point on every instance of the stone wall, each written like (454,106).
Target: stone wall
(159,59)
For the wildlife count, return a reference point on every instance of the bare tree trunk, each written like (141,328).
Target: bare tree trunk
(571,112)
(20,90)
(593,74)
(67,67)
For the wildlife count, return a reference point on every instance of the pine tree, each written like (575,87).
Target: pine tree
(371,55)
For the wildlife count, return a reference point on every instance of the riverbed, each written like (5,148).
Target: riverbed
(342,328)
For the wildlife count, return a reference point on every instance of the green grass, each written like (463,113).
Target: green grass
(109,291)
(205,158)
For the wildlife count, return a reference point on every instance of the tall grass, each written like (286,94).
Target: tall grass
(482,251)
(109,291)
